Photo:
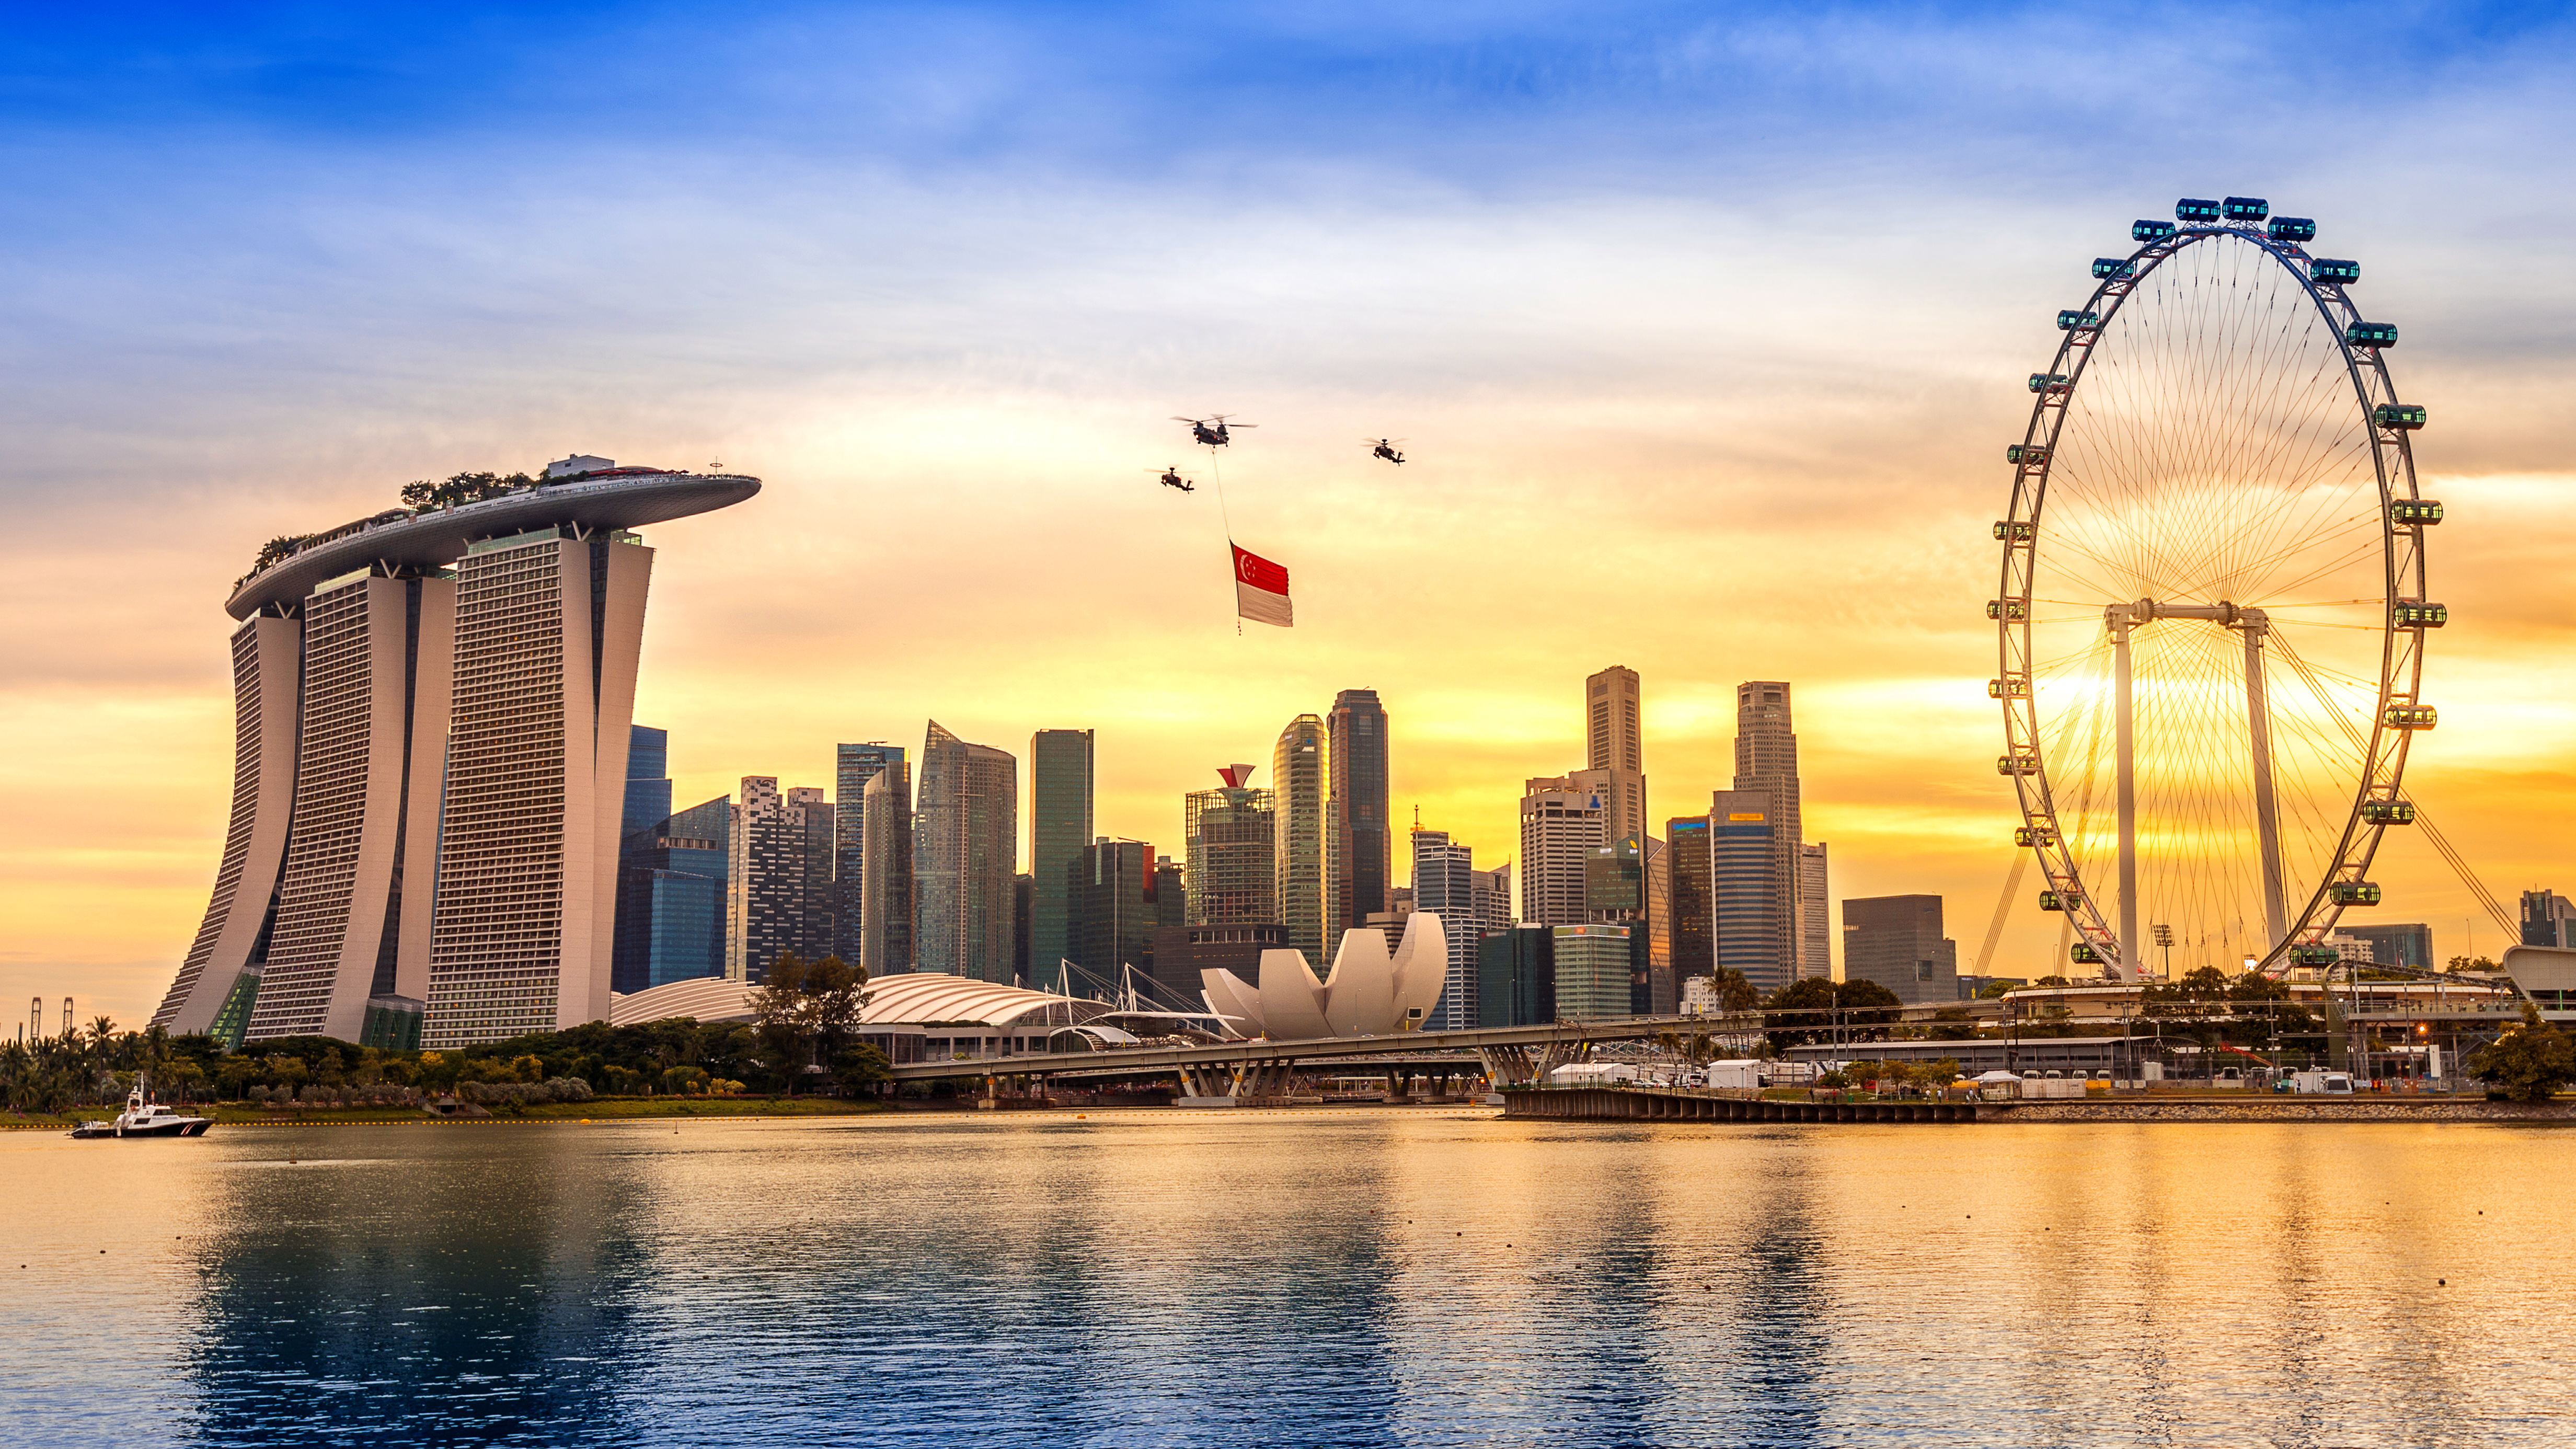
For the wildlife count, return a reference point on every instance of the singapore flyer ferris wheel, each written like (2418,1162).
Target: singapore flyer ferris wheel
(2213,609)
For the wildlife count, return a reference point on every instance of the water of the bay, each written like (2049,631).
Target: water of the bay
(1420,1276)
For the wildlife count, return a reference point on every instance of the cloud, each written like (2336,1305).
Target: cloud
(1705,328)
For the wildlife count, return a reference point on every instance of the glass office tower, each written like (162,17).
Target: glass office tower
(1359,840)
(1060,765)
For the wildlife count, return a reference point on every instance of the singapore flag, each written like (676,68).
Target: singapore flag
(1260,589)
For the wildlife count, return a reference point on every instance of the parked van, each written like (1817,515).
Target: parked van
(2332,1084)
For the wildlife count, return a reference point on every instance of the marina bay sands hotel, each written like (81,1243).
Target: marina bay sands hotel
(431,713)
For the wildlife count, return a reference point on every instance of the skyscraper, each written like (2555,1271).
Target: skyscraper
(364,808)
(1614,747)
(376,691)
(1301,784)
(1494,897)
(1444,884)
(763,882)
(1359,838)
(648,784)
(886,901)
(1059,828)
(965,852)
(1896,941)
(1516,976)
(2548,919)
(549,633)
(1230,841)
(1815,929)
(1766,763)
(809,815)
(1113,911)
(852,767)
(1691,910)
(1745,871)
(671,898)
(1594,966)
(1561,825)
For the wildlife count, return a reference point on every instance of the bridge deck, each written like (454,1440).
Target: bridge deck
(1236,1053)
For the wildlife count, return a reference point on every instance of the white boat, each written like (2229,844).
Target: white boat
(144,1117)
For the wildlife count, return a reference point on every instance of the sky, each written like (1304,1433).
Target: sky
(1704,326)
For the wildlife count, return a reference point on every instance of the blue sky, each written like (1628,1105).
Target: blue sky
(1717,311)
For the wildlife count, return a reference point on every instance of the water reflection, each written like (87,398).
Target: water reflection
(449,1292)
(1399,1277)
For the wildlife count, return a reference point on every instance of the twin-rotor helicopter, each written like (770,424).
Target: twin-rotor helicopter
(1217,431)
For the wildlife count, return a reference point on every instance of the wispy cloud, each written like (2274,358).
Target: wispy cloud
(1706,325)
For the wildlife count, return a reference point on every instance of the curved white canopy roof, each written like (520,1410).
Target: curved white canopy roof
(907,999)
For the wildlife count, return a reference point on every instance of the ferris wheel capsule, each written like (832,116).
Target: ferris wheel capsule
(2291,229)
(2194,212)
(2149,230)
(2246,208)
(2330,269)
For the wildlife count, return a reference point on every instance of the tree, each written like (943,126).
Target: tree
(805,1009)
(1953,1023)
(859,1065)
(2529,1063)
(1735,994)
(1810,1009)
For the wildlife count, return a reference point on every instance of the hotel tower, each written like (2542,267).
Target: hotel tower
(431,718)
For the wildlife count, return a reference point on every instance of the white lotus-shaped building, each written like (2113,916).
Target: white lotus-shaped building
(1370,993)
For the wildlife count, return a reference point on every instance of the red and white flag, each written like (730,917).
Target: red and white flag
(1260,589)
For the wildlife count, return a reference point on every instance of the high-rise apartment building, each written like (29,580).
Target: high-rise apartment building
(1171,893)
(671,898)
(809,811)
(1060,766)
(1301,784)
(1766,763)
(1745,873)
(1815,931)
(1445,884)
(1359,842)
(1561,825)
(1896,941)
(1691,909)
(434,692)
(779,882)
(886,901)
(1230,840)
(965,853)
(1615,751)
(853,766)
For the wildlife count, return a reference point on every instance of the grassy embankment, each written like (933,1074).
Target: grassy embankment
(598,1109)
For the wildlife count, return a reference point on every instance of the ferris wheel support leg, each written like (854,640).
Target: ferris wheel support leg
(2125,745)
(2267,820)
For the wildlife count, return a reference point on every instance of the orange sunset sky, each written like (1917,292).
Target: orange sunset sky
(1709,384)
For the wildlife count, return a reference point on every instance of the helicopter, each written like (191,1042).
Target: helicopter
(1385,448)
(1172,479)
(1212,431)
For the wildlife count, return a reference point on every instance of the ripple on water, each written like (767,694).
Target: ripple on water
(1295,1278)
